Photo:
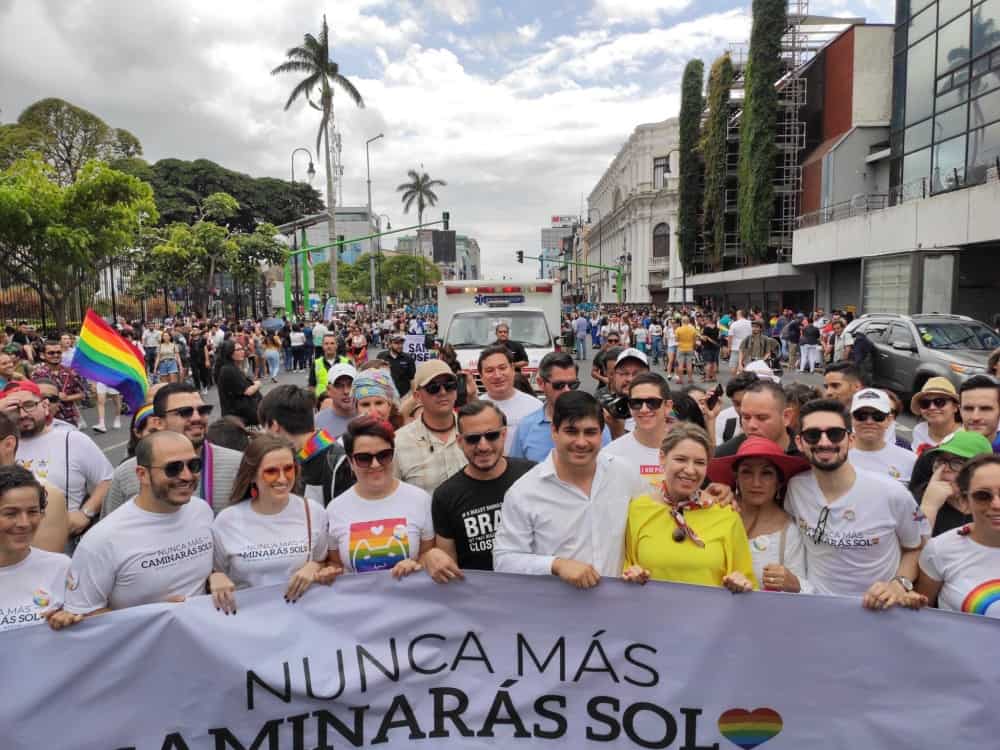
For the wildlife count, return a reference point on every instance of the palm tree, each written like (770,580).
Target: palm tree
(313,59)
(420,188)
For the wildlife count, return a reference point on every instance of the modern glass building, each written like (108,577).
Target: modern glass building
(945,131)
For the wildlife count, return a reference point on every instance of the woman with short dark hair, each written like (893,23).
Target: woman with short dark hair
(238,394)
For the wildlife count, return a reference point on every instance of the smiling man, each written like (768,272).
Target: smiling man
(871,412)
(496,369)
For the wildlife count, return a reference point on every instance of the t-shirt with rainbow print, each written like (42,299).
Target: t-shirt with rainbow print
(969,573)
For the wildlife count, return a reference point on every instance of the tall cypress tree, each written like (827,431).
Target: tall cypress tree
(713,148)
(689,194)
(758,153)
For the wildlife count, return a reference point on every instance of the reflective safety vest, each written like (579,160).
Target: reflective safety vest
(319,367)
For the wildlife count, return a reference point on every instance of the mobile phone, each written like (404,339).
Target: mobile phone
(713,397)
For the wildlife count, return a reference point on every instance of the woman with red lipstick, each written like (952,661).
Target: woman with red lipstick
(674,536)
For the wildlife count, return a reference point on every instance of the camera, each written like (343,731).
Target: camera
(615,405)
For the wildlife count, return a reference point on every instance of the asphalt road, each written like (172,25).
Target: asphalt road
(113,442)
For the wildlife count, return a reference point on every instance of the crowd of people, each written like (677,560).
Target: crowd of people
(374,462)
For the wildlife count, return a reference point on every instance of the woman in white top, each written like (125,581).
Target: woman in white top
(937,403)
(759,471)
(32,581)
(380,523)
(268,535)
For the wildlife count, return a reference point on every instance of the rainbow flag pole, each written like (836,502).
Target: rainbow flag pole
(103,356)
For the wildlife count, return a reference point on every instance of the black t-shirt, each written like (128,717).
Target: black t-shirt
(711,340)
(467,511)
(792,331)
(515,349)
(810,335)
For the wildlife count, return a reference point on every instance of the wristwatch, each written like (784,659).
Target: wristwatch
(905,582)
(90,514)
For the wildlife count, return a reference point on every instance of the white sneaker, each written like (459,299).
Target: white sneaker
(99,428)
(116,425)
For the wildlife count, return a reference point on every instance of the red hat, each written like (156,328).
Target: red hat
(22,385)
(723,469)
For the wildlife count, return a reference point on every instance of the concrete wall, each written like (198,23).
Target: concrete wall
(871,101)
(850,175)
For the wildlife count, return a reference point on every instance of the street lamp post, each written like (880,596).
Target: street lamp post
(311,171)
(600,243)
(378,266)
(371,255)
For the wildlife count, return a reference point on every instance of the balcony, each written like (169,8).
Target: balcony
(659,265)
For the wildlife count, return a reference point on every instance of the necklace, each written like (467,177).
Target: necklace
(449,428)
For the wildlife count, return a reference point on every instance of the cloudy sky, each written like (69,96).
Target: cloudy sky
(519,105)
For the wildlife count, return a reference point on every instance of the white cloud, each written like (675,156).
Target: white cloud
(630,11)
(459,11)
(529,32)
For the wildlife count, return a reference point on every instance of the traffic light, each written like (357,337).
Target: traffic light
(445,217)
(340,245)
(520,256)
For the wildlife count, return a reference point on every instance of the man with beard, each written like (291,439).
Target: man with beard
(71,386)
(157,548)
(68,459)
(179,408)
(466,508)
(865,530)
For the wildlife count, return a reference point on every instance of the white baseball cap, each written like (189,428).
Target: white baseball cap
(632,353)
(760,368)
(871,398)
(340,370)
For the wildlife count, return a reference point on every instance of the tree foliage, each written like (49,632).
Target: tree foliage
(689,196)
(400,276)
(713,149)
(758,153)
(54,237)
(420,188)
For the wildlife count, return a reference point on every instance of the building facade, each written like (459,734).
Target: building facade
(468,261)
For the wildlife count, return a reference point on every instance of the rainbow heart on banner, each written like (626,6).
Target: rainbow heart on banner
(748,729)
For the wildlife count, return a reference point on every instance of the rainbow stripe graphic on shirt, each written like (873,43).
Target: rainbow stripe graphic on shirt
(378,545)
(748,729)
(982,597)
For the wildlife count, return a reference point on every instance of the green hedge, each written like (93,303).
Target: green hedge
(689,197)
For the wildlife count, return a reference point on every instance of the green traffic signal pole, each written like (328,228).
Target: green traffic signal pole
(307,248)
(617,269)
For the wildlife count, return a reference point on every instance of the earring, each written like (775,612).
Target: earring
(253,490)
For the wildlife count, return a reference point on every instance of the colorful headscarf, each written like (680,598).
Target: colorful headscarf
(375,382)
(144,413)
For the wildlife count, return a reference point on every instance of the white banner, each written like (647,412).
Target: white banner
(415,346)
(504,661)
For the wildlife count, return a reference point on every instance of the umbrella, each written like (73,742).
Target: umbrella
(273,324)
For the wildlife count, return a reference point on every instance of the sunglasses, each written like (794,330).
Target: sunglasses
(54,353)
(870,416)
(635,404)
(173,469)
(954,463)
(571,385)
(938,402)
(473,438)
(435,387)
(364,460)
(984,496)
(186,412)
(53,399)
(273,473)
(813,435)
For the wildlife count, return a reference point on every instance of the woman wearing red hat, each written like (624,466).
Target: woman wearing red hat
(759,473)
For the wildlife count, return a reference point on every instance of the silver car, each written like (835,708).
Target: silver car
(910,349)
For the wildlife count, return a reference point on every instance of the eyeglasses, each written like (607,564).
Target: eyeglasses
(473,438)
(186,412)
(434,388)
(984,496)
(869,416)
(54,353)
(937,402)
(821,524)
(954,463)
(835,435)
(24,406)
(272,473)
(563,385)
(173,469)
(364,460)
(635,404)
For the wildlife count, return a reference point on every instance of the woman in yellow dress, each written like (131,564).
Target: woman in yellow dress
(673,536)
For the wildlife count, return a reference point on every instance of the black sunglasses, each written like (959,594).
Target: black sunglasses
(865,416)
(635,404)
(364,460)
(473,438)
(937,402)
(435,388)
(835,435)
(564,385)
(53,399)
(186,412)
(173,469)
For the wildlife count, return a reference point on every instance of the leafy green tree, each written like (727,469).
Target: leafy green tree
(404,274)
(420,188)
(312,58)
(55,238)
(713,149)
(689,198)
(16,141)
(758,153)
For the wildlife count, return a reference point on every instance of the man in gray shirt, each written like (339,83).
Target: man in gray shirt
(335,418)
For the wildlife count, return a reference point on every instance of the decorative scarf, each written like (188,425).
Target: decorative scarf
(677,508)
(319,442)
(207,471)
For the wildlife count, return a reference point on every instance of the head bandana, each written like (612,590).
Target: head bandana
(375,382)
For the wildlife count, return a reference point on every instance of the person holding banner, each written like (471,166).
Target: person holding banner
(709,546)
(267,535)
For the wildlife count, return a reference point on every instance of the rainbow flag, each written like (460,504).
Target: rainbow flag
(103,356)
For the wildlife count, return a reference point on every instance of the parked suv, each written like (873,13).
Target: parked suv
(909,349)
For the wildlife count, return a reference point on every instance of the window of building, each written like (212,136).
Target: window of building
(661,168)
(661,241)
(985,34)
(916,166)
(950,123)
(949,164)
(953,44)
(921,25)
(919,75)
(984,150)
(984,110)
(918,136)
(948,9)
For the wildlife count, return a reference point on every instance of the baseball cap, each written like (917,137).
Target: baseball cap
(398,337)
(341,370)
(22,385)
(428,370)
(632,353)
(965,444)
(871,398)
(761,369)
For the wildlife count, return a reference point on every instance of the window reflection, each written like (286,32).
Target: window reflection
(953,44)
(950,9)
(916,166)
(949,164)
(985,34)
(984,150)
(918,136)
(950,123)
(921,25)
(919,78)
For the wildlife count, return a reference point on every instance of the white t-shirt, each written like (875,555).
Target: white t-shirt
(720,424)
(646,459)
(640,335)
(376,534)
(739,330)
(671,333)
(766,550)
(135,557)
(45,456)
(860,541)
(968,571)
(921,435)
(297,338)
(655,329)
(255,549)
(516,408)
(891,461)
(32,586)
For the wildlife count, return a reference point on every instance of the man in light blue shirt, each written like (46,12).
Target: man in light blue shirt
(557,374)
(580,329)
